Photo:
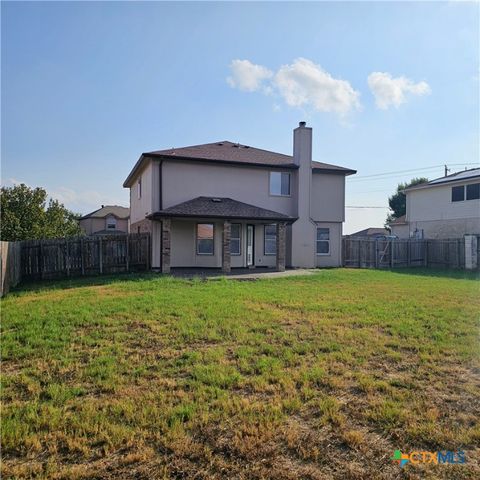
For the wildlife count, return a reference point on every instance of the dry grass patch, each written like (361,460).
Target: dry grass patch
(312,377)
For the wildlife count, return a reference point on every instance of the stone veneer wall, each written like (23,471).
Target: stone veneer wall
(145,226)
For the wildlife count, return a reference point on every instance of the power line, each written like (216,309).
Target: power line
(376,176)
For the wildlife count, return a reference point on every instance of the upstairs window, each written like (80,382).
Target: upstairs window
(280,184)
(235,239)
(323,241)
(139,188)
(111,223)
(270,240)
(473,191)
(205,239)
(458,194)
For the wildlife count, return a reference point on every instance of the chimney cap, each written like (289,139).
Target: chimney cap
(302,124)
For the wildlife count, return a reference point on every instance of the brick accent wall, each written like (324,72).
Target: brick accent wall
(281,245)
(145,226)
(166,239)
(226,257)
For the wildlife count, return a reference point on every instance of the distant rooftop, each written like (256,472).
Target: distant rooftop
(105,210)
(454,177)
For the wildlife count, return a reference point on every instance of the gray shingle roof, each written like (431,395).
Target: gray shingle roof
(372,231)
(105,210)
(220,207)
(233,153)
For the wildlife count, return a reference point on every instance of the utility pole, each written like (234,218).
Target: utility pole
(446,170)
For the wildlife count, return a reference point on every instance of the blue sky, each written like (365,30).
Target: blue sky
(86,87)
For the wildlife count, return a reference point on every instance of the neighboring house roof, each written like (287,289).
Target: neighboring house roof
(106,210)
(232,153)
(399,221)
(369,232)
(454,177)
(219,207)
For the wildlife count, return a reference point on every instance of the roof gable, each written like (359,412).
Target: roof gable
(106,210)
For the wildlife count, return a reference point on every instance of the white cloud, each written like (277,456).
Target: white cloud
(390,91)
(247,76)
(302,84)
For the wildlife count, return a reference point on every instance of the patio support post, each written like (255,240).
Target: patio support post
(226,257)
(166,238)
(281,246)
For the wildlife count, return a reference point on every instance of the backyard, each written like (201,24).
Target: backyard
(314,377)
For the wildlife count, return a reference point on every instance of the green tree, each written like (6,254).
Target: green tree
(25,215)
(398,201)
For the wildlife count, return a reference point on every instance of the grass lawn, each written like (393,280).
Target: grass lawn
(313,377)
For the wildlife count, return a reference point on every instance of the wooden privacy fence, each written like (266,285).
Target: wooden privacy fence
(396,253)
(10,269)
(76,256)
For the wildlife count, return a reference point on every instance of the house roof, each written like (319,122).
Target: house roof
(232,153)
(372,231)
(106,210)
(464,175)
(399,221)
(220,207)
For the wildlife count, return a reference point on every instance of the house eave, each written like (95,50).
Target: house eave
(161,215)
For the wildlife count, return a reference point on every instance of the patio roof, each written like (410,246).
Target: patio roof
(219,207)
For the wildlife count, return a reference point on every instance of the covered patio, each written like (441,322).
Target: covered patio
(221,233)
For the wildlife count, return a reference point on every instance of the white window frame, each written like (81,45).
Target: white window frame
(239,238)
(265,240)
(289,184)
(213,239)
(112,219)
(317,241)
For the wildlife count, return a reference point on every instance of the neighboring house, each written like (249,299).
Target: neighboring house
(399,227)
(447,207)
(108,220)
(372,232)
(229,205)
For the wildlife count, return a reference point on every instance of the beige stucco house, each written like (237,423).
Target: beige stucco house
(447,207)
(226,205)
(107,220)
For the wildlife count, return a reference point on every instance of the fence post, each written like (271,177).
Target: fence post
(391,253)
(100,254)
(67,256)
(40,260)
(82,255)
(127,250)
(425,253)
(409,259)
(471,260)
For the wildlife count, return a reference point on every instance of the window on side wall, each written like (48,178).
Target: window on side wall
(139,188)
(235,239)
(280,184)
(473,191)
(270,240)
(205,239)
(458,194)
(111,223)
(323,241)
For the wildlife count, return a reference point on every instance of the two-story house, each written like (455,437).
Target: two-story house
(447,207)
(107,220)
(226,205)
